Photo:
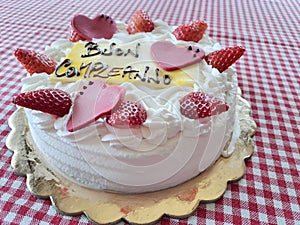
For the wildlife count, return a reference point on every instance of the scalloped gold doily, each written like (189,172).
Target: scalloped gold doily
(106,207)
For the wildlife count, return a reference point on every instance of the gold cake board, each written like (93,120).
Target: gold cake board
(106,207)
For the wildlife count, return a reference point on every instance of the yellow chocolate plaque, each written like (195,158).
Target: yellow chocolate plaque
(117,63)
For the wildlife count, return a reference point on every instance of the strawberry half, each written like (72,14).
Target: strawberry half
(140,22)
(52,101)
(35,62)
(224,58)
(128,115)
(191,32)
(196,105)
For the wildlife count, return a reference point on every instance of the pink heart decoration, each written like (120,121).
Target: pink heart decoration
(96,100)
(171,57)
(100,27)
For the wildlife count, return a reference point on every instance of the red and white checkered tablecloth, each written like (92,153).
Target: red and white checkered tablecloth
(269,76)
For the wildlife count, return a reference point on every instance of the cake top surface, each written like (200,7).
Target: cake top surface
(139,59)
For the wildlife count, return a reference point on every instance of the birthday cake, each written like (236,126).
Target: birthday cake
(133,107)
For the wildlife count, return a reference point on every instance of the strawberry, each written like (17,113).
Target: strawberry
(74,36)
(196,105)
(190,32)
(224,58)
(35,62)
(128,114)
(140,22)
(52,101)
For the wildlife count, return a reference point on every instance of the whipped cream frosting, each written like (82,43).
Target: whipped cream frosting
(167,150)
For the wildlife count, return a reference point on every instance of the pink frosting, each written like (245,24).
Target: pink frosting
(101,26)
(170,57)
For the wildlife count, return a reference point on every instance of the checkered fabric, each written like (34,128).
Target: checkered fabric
(268,76)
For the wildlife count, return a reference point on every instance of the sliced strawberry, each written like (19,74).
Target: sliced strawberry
(196,105)
(191,32)
(128,115)
(52,101)
(224,58)
(35,62)
(140,22)
(74,36)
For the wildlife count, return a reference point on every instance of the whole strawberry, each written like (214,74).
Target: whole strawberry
(224,58)
(191,32)
(196,105)
(35,62)
(52,101)
(128,115)
(140,22)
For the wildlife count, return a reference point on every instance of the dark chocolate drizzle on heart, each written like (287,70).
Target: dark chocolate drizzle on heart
(85,87)
(190,48)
